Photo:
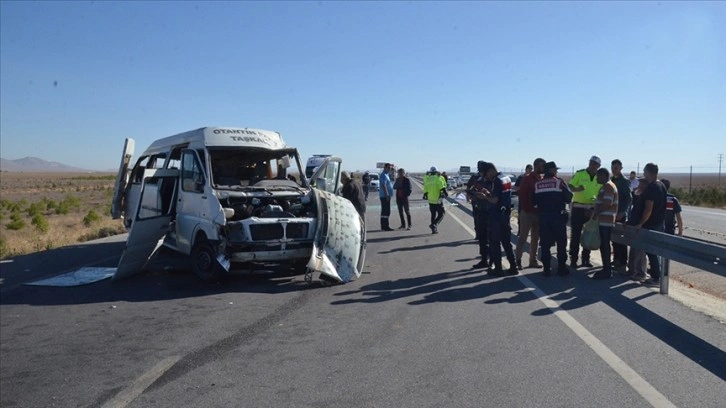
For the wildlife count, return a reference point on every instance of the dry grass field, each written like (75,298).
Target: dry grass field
(46,210)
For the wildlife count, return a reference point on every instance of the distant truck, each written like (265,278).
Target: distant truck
(464,175)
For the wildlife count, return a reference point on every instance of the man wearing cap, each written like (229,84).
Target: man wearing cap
(528,219)
(353,192)
(434,188)
(481,216)
(385,192)
(585,187)
(551,197)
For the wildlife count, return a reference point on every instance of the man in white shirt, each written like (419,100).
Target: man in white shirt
(633,181)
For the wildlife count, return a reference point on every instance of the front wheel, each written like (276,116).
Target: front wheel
(204,263)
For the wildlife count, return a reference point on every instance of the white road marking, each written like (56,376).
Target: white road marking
(125,397)
(639,384)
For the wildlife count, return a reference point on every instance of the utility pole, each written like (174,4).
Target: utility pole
(690,180)
(720,159)
(637,173)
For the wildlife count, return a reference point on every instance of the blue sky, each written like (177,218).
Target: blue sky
(415,83)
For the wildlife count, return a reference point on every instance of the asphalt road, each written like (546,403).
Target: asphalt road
(418,329)
(705,223)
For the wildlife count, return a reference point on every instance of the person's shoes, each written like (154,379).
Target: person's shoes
(573,263)
(534,264)
(519,263)
(388,229)
(547,272)
(651,283)
(563,271)
(496,272)
(640,277)
(587,264)
(432,228)
(512,271)
(481,264)
(402,227)
(601,275)
(408,228)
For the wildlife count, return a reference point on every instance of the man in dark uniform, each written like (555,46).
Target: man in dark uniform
(551,196)
(497,191)
(481,217)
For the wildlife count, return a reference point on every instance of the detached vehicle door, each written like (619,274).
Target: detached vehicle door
(122,179)
(340,240)
(151,222)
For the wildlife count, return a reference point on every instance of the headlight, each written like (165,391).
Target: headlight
(228,213)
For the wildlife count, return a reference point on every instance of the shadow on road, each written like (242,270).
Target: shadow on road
(167,277)
(577,294)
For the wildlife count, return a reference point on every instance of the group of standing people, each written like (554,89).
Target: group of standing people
(593,193)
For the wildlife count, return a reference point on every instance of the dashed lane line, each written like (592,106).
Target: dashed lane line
(126,396)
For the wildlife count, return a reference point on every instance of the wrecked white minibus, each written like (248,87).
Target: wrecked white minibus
(235,195)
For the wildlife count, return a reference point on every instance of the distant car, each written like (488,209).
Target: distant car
(464,180)
(374,182)
(452,183)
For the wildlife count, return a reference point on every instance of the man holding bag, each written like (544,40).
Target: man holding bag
(585,187)
(606,208)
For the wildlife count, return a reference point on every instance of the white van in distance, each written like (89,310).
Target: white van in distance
(223,195)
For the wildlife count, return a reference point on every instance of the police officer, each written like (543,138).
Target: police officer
(434,188)
(497,191)
(481,216)
(585,187)
(551,196)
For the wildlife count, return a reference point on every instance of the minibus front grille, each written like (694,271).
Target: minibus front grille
(266,232)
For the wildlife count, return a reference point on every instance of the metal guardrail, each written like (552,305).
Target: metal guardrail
(706,256)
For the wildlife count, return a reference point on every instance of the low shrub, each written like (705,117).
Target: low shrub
(91,218)
(709,197)
(16,222)
(40,223)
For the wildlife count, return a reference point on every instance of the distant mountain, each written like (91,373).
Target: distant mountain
(36,165)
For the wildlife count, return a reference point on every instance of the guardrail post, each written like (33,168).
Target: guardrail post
(665,265)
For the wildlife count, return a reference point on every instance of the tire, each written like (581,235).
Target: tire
(204,263)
